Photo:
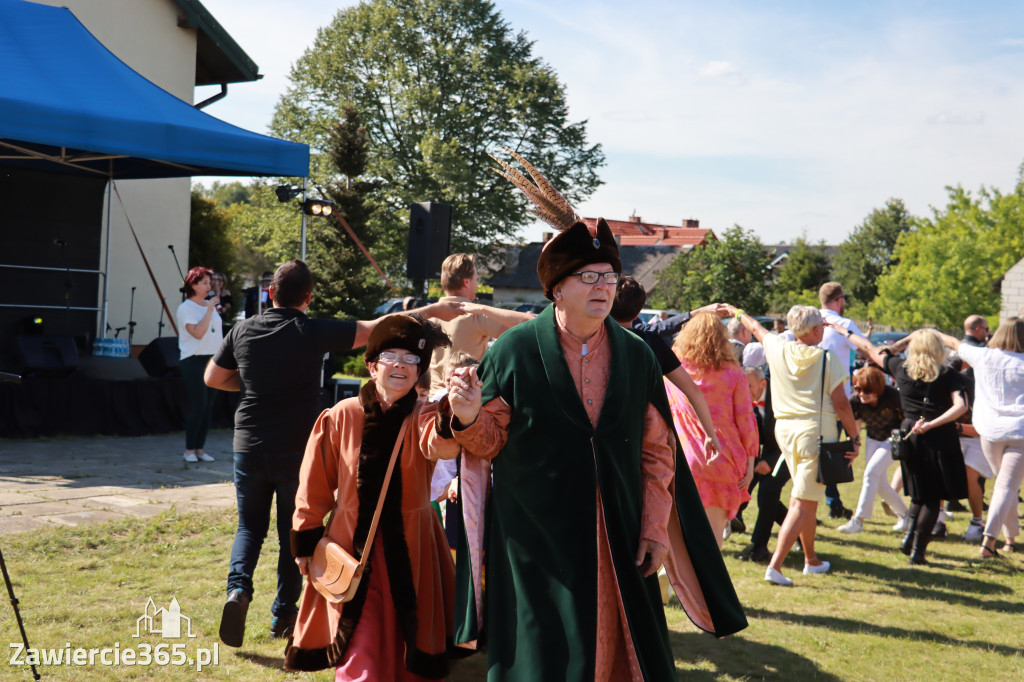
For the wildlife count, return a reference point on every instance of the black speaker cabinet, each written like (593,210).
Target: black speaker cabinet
(47,355)
(161,357)
(430,227)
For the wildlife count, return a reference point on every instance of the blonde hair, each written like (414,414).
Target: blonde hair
(705,343)
(456,268)
(1009,336)
(926,356)
(459,359)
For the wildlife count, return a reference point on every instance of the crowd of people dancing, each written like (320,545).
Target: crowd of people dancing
(581,453)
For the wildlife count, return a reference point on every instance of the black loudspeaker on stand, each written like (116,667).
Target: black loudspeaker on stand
(430,227)
(161,357)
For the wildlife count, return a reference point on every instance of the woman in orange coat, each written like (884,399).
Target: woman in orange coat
(399,623)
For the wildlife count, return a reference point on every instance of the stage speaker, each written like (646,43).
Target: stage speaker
(161,357)
(47,355)
(430,227)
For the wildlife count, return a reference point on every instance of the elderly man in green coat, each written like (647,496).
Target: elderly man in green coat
(587,503)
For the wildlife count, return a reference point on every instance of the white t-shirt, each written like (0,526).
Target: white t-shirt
(998,391)
(838,343)
(190,312)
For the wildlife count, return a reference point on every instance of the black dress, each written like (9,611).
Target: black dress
(934,466)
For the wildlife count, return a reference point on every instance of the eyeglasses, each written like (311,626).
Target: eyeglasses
(406,358)
(591,277)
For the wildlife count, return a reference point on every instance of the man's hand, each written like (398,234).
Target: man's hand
(650,556)
(453,490)
(720,309)
(465,395)
(303,563)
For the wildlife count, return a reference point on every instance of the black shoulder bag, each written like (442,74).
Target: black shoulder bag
(833,467)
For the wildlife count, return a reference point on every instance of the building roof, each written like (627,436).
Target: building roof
(219,59)
(635,232)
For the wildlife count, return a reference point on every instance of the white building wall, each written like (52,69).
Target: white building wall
(1013,292)
(145,35)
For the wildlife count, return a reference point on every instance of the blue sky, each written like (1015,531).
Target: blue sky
(785,117)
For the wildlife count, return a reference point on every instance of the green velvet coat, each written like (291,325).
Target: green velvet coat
(541,574)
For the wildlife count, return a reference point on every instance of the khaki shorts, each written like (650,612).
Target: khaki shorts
(798,440)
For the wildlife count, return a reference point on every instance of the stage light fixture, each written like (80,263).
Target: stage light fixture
(318,207)
(287,192)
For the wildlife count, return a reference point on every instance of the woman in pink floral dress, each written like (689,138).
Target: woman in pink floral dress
(703,348)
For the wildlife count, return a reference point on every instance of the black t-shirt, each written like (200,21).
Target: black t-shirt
(279,356)
(666,358)
(921,399)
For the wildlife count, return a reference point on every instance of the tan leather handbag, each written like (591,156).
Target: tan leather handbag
(334,572)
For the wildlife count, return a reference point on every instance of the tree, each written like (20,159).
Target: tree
(209,244)
(730,270)
(806,268)
(439,83)
(347,283)
(952,265)
(869,251)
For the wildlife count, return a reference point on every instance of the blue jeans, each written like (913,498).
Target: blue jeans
(832,496)
(257,479)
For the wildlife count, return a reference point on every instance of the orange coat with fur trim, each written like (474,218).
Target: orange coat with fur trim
(335,454)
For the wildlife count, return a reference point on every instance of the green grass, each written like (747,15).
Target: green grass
(872,618)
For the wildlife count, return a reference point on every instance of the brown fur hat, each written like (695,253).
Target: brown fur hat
(408,332)
(574,248)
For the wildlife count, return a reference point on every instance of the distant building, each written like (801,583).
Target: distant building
(1012,289)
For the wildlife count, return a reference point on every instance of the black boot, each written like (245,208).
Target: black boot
(232,619)
(907,545)
(920,545)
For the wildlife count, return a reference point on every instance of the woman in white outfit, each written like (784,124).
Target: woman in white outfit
(999,419)
(878,406)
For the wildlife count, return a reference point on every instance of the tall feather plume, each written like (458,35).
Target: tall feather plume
(551,207)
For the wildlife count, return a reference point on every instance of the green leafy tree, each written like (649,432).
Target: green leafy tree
(347,283)
(209,244)
(439,84)
(805,270)
(952,265)
(870,250)
(732,269)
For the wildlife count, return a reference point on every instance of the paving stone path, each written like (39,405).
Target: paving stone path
(72,481)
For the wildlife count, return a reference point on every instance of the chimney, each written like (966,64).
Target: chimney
(545,237)
(635,219)
(512,257)
(690,222)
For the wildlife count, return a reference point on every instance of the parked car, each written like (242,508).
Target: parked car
(886,338)
(535,308)
(392,305)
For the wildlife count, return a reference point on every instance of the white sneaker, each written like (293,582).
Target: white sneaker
(206,458)
(191,458)
(901,525)
(852,526)
(975,532)
(726,532)
(820,568)
(773,576)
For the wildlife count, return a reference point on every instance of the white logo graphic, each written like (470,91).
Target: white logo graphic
(170,621)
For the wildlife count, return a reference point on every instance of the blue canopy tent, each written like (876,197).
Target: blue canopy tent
(67,104)
(70,106)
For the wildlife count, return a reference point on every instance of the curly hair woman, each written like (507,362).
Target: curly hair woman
(703,349)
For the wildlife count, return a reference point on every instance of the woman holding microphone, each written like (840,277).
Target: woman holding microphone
(200,332)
